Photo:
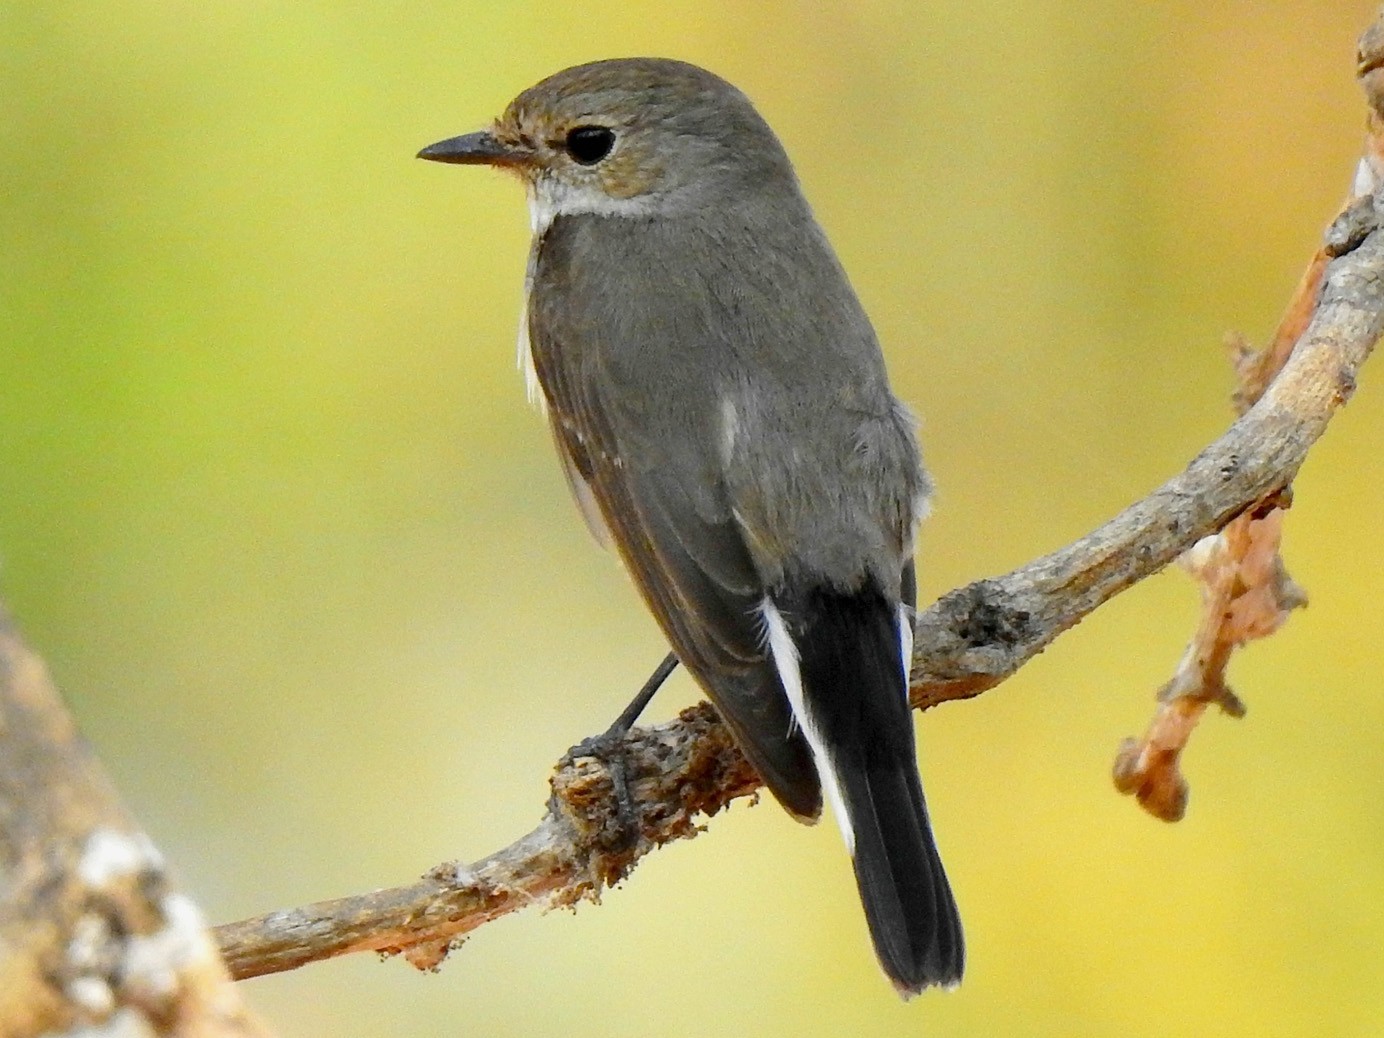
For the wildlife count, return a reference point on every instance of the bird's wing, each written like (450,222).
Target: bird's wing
(668,516)
(582,494)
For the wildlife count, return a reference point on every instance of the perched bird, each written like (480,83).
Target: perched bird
(722,413)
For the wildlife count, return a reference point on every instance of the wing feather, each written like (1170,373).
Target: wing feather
(668,515)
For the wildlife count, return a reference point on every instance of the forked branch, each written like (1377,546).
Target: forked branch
(968,641)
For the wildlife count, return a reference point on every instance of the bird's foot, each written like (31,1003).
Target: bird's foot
(619,828)
(620,832)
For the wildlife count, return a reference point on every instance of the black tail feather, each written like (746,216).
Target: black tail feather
(853,687)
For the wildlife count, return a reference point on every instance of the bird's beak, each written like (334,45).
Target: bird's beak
(474,149)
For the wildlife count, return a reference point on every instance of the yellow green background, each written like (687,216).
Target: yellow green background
(273,506)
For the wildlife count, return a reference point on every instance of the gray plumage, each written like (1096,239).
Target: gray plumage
(720,403)
(646,400)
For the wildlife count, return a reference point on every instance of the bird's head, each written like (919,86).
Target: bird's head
(628,137)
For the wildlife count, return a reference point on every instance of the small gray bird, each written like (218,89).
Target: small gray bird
(722,413)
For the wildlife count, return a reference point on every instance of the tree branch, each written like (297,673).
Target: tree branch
(93,936)
(977,636)
(967,642)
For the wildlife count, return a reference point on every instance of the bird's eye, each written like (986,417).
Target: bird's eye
(589,144)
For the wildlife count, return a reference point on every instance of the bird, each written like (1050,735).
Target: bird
(721,410)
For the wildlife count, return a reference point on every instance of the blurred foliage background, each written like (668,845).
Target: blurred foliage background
(272,504)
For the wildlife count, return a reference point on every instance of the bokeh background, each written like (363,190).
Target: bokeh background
(273,507)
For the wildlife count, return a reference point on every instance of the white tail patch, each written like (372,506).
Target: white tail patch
(785,655)
(906,645)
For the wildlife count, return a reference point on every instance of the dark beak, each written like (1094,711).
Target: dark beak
(473,149)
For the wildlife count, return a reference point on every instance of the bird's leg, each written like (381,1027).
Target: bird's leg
(641,699)
(609,749)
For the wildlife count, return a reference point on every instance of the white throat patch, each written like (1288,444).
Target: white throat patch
(550,197)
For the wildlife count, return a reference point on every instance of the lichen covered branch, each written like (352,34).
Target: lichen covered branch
(677,774)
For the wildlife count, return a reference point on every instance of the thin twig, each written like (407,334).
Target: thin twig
(1247,593)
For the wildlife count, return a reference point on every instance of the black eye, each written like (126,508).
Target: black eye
(589,144)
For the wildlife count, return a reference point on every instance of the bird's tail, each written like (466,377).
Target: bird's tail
(840,656)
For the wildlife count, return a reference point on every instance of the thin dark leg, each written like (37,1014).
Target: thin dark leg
(609,748)
(631,713)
